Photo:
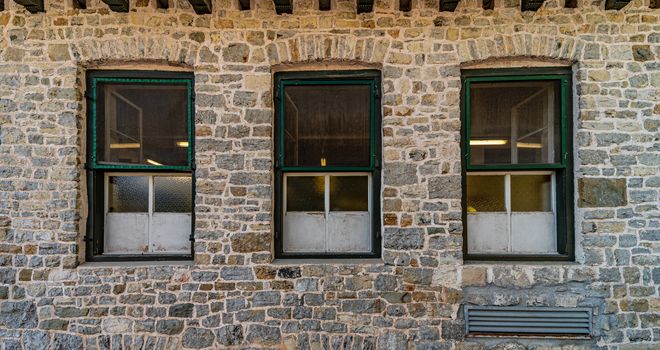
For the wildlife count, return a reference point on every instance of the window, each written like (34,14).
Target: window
(139,165)
(327,152)
(517,200)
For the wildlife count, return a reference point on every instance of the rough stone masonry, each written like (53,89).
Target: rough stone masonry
(234,295)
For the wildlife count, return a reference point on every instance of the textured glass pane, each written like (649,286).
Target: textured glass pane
(327,125)
(515,122)
(173,194)
(531,193)
(349,193)
(305,193)
(485,193)
(128,194)
(142,124)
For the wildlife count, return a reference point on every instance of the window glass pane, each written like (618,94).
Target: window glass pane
(305,193)
(515,122)
(143,124)
(128,194)
(173,194)
(485,193)
(531,192)
(349,193)
(327,125)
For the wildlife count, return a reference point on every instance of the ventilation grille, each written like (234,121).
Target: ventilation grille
(496,320)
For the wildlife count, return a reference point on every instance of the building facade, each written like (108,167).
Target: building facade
(331,179)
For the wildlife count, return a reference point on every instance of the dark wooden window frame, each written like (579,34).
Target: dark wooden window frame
(371,77)
(563,170)
(95,172)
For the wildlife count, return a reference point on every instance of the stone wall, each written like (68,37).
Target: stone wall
(234,294)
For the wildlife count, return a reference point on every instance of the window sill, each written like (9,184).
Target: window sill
(321,261)
(98,264)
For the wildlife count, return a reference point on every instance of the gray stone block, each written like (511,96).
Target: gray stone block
(601,192)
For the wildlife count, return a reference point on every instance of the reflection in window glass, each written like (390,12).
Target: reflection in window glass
(173,194)
(515,122)
(349,193)
(142,124)
(485,193)
(305,193)
(128,194)
(531,193)
(327,125)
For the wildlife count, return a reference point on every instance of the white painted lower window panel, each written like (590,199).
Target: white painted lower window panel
(513,232)
(304,232)
(126,233)
(329,231)
(146,233)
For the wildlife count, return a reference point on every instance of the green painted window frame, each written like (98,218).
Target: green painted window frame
(372,78)
(95,171)
(563,170)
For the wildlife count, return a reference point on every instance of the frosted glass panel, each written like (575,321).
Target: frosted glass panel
(485,193)
(305,193)
(349,193)
(173,194)
(128,194)
(531,192)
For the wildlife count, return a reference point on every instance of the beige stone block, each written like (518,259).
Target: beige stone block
(470,33)
(392,155)
(452,34)
(326,22)
(14,54)
(223,23)
(309,22)
(599,75)
(343,23)
(257,82)
(380,49)
(473,276)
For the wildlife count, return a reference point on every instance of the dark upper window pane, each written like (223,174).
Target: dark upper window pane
(515,122)
(305,193)
(531,193)
(142,124)
(326,125)
(349,193)
(485,193)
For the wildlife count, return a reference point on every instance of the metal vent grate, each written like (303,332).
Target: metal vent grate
(497,320)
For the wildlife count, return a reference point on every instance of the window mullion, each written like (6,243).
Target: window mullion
(507,204)
(553,206)
(327,208)
(106,188)
(151,210)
